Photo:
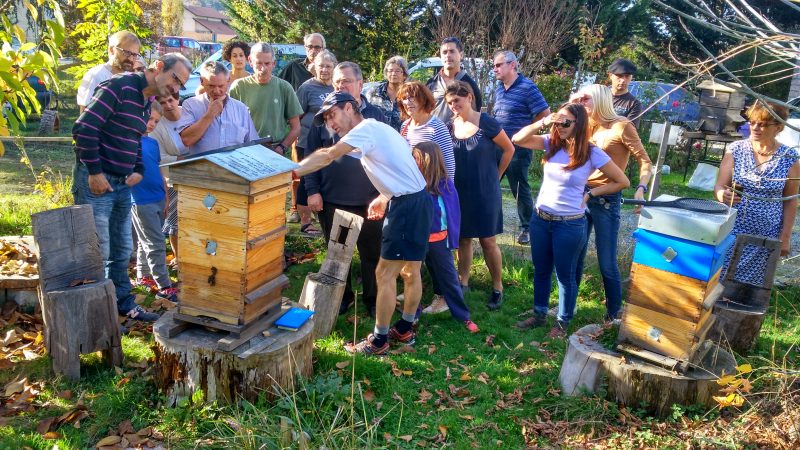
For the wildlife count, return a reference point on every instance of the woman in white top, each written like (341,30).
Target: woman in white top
(558,224)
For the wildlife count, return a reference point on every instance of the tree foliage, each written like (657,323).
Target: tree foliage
(17,63)
(172,17)
(101,19)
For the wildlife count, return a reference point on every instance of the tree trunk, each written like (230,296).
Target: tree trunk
(79,320)
(265,365)
(587,365)
(323,295)
(737,325)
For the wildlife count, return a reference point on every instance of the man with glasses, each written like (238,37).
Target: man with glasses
(518,103)
(212,120)
(302,69)
(452,53)
(273,103)
(344,185)
(108,153)
(123,52)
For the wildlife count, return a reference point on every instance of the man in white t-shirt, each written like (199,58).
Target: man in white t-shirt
(123,53)
(387,161)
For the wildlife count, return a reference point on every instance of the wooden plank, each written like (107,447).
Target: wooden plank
(661,360)
(276,191)
(253,311)
(266,216)
(206,175)
(265,184)
(267,252)
(48,139)
(683,298)
(219,322)
(229,209)
(277,284)
(266,238)
(251,330)
(230,252)
(264,272)
(341,245)
(658,332)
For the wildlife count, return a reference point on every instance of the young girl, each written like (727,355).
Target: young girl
(444,230)
(558,224)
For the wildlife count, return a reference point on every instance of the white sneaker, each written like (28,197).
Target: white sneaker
(401,297)
(438,305)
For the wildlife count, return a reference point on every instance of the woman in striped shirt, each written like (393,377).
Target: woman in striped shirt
(420,125)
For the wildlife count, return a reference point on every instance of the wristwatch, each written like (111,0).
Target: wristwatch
(644,188)
(283,147)
(589,193)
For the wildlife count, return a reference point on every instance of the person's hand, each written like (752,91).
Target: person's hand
(786,246)
(99,185)
(315,202)
(638,195)
(377,208)
(133,179)
(728,196)
(585,200)
(215,107)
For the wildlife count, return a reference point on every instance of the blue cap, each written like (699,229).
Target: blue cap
(334,98)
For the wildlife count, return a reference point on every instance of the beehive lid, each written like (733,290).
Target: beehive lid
(694,226)
(245,170)
(714,86)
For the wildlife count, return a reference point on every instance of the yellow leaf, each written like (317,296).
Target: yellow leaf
(729,400)
(465,376)
(727,379)
(108,440)
(744,368)
(443,430)
(406,437)
(342,364)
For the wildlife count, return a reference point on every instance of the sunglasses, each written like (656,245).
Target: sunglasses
(762,124)
(178,80)
(498,65)
(566,123)
(127,53)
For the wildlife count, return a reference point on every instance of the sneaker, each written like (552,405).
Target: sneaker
(524,238)
(471,326)
(407,338)
(495,300)
(438,305)
(169,293)
(616,320)
(294,217)
(559,330)
(138,313)
(146,282)
(367,348)
(534,321)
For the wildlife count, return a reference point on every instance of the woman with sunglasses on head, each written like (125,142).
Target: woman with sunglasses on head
(762,167)
(476,137)
(558,224)
(617,136)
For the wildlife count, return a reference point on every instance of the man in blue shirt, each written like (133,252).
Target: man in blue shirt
(518,103)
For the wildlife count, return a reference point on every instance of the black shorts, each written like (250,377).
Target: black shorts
(407,227)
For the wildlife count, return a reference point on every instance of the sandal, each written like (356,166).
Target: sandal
(310,230)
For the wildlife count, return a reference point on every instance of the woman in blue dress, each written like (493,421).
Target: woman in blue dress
(476,137)
(767,173)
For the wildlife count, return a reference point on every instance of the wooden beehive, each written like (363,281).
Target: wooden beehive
(231,229)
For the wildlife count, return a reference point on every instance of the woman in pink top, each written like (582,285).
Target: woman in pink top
(558,225)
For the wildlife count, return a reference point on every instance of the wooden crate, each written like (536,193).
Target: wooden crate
(662,333)
(669,293)
(680,256)
(231,230)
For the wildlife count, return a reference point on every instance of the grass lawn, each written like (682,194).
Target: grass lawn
(495,389)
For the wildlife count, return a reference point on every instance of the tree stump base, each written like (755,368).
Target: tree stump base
(737,325)
(79,320)
(588,365)
(262,366)
(323,295)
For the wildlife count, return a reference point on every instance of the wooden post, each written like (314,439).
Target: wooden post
(655,182)
(322,292)
(80,319)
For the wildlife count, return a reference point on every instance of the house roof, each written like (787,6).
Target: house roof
(211,13)
(216,27)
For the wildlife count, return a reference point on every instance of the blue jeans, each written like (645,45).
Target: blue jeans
(517,174)
(112,218)
(603,215)
(556,244)
(439,261)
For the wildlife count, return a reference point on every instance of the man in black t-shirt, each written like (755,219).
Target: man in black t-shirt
(621,72)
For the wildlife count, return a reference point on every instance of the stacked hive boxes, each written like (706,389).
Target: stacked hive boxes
(676,265)
(231,228)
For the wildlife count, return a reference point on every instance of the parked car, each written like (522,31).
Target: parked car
(426,68)
(188,47)
(681,105)
(209,48)
(284,53)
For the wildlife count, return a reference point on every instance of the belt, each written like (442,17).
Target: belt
(552,217)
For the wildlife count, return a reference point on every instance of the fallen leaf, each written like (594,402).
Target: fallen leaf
(45,425)
(145,432)
(489,340)
(342,364)
(108,440)
(11,338)
(66,395)
(387,437)
(123,381)
(52,435)
(483,378)
(369,396)
(465,376)
(406,437)
(424,396)
(744,368)
(378,406)
(125,427)
(15,387)
(30,355)
(466,417)
(443,430)
(727,379)
(403,349)
(431,349)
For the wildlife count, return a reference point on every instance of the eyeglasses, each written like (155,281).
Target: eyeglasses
(314,47)
(394,71)
(128,54)
(762,124)
(498,65)
(566,123)
(178,80)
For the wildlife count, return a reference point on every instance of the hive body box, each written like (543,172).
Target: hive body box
(231,229)
(670,299)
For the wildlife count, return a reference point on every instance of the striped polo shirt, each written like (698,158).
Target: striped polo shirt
(108,133)
(517,106)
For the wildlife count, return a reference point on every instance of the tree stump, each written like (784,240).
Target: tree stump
(264,365)
(588,365)
(322,291)
(78,320)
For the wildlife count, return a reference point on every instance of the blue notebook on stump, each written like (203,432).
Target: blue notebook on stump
(293,319)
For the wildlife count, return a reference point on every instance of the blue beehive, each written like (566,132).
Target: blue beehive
(680,256)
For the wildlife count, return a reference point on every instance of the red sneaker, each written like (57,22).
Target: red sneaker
(147,282)
(471,326)
(367,347)
(407,338)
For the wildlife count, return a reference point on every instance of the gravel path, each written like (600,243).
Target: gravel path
(788,272)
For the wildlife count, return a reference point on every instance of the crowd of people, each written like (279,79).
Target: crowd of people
(421,162)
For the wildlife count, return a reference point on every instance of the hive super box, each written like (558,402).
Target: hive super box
(231,229)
